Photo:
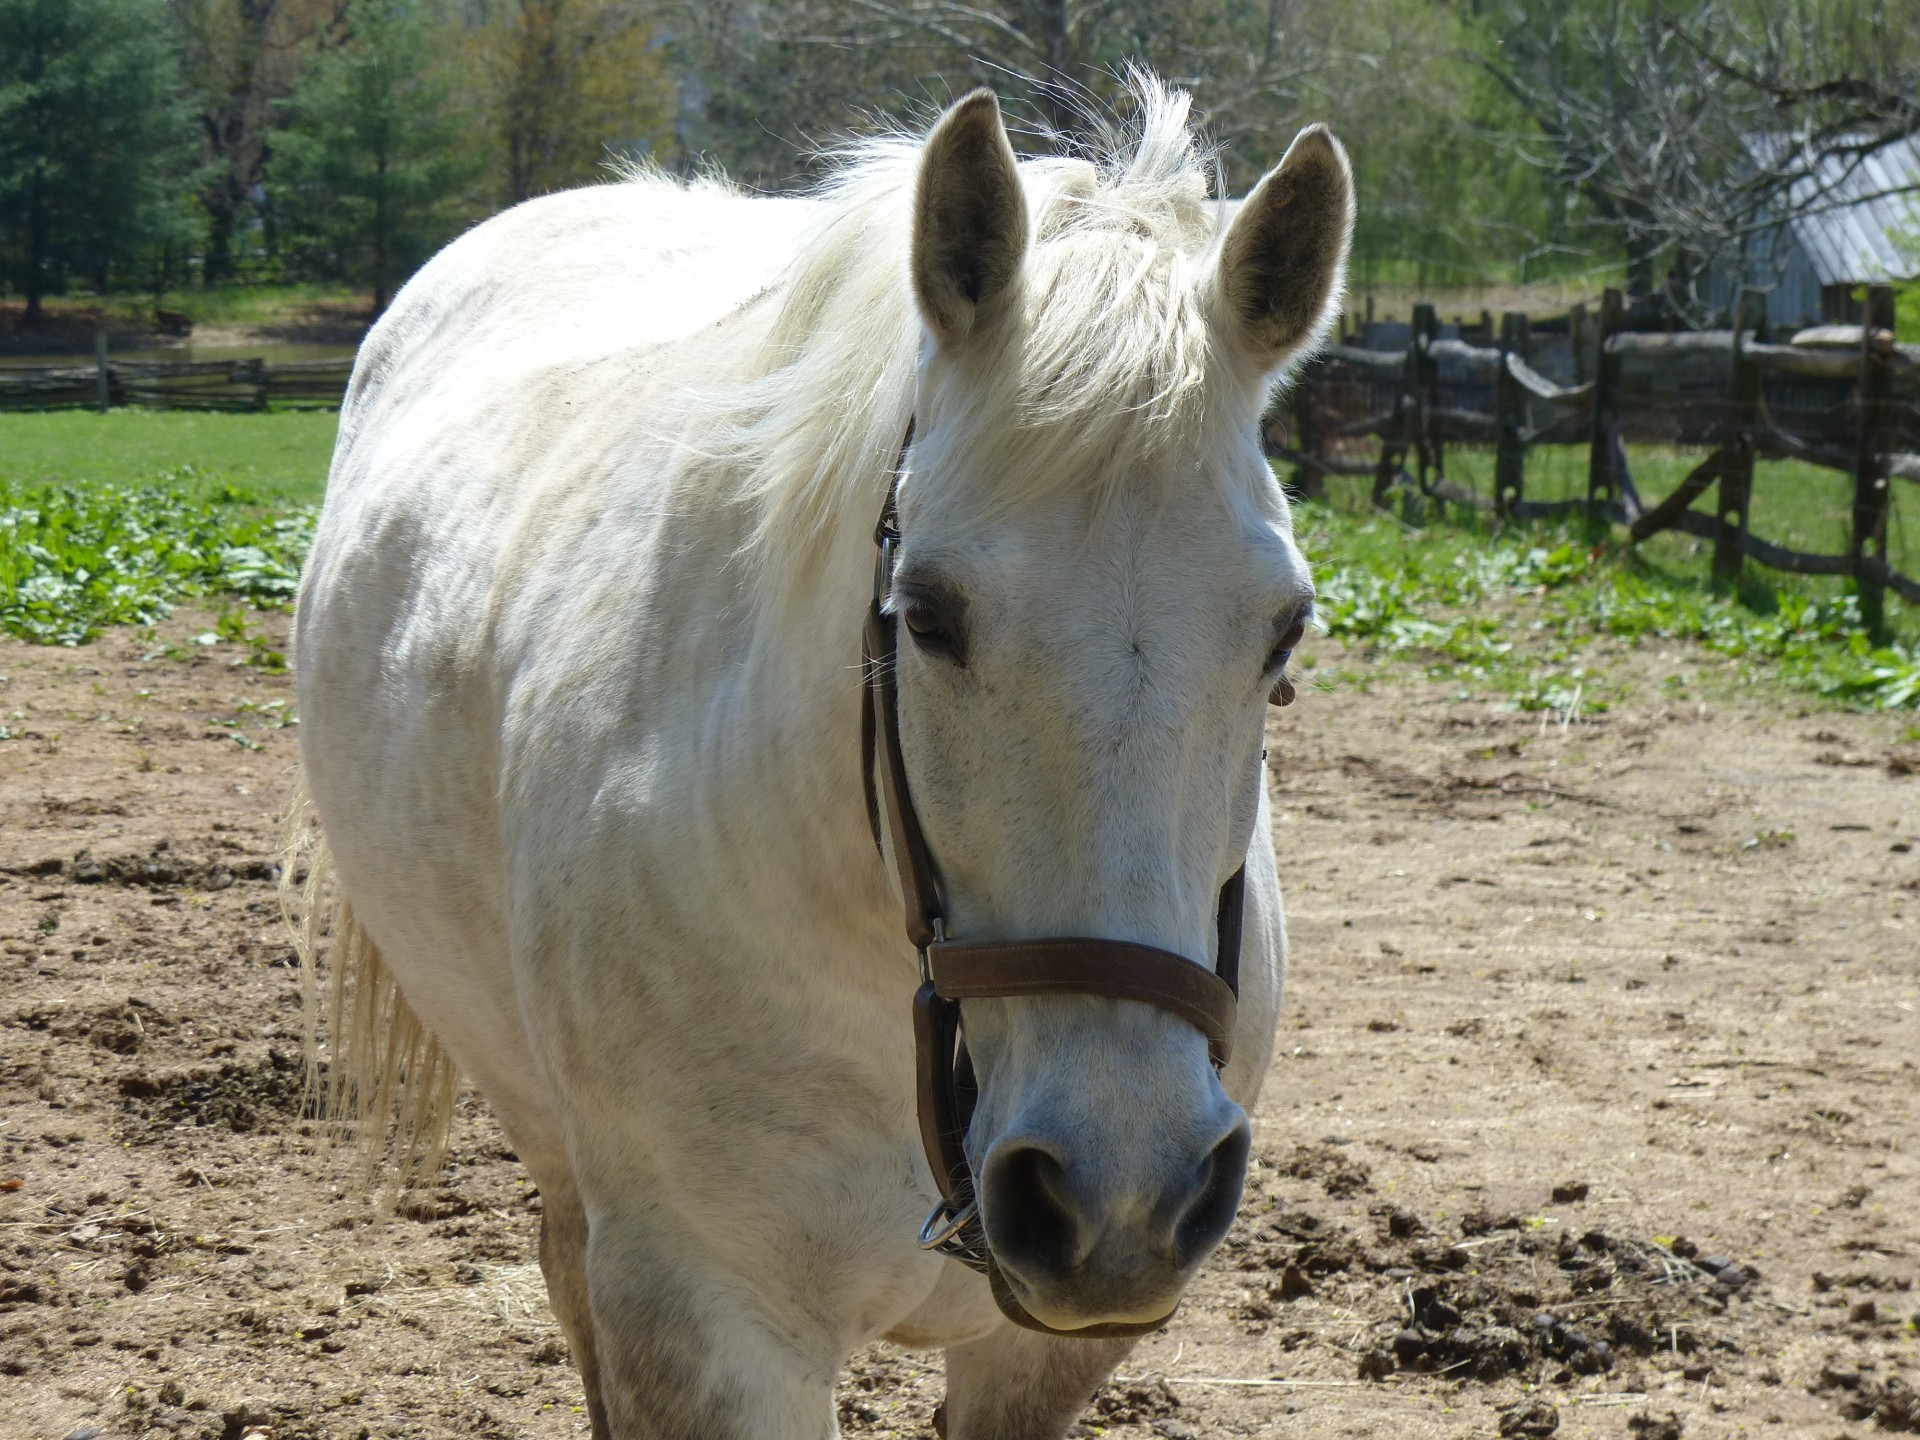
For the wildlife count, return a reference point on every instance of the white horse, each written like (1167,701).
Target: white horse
(581,688)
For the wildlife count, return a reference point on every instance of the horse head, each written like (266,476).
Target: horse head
(1096,592)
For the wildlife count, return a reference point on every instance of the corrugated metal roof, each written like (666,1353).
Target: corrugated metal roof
(1857,233)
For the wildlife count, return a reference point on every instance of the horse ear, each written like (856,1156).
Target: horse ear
(1284,259)
(969,218)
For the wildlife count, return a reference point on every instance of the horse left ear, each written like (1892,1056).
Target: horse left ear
(1283,262)
(969,218)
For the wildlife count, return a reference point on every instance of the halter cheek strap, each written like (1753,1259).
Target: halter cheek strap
(952,971)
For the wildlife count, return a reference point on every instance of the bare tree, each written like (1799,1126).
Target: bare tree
(571,81)
(1688,133)
(1055,61)
(240,59)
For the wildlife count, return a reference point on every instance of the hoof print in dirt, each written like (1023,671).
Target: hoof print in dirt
(1500,1322)
(1440,1338)
(1377,1365)
(239,1097)
(1294,1284)
(1647,1426)
(1149,1403)
(1403,1225)
(1476,1223)
(1340,1176)
(1137,1402)
(161,867)
(1581,1354)
(1892,1404)
(1529,1420)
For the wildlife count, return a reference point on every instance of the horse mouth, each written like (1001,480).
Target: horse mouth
(1028,1308)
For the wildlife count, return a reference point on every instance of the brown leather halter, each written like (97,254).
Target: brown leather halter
(953,970)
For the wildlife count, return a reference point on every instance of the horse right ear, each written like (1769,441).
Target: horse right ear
(969,219)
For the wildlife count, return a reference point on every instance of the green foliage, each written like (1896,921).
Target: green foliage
(1444,196)
(572,83)
(75,559)
(375,158)
(93,138)
(1517,615)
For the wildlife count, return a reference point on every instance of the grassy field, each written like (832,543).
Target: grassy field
(1803,507)
(108,519)
(281,458)
(220,305)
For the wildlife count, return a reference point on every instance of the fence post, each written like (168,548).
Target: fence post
(101,385)
(1424,372)
(1509,417)
(1867,542)
(1307,481)
(1603,485)
(1735,495)
(1393,447)
(1577,337)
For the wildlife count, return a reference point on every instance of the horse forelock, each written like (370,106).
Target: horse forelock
(1107,352)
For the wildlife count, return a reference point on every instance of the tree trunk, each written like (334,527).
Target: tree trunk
(380,241)
(1057,82)
(36,284)
(218,262)
(1640,259)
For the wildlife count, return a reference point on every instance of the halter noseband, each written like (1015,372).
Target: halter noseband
(952,970)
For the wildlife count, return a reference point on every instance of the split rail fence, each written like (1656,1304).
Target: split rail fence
(233,385)
(1843,398)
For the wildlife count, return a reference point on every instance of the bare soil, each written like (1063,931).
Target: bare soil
(1595,1105)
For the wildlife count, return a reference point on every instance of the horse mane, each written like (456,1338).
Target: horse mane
(1106,355)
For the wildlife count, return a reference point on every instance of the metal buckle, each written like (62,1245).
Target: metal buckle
(943,1224)
(926,961)
(883,569)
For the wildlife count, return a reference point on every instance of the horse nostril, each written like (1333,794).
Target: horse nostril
(1203,1224)
(1032,1218)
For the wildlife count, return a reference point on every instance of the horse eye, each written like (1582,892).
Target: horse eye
(923,622)
(1283,651)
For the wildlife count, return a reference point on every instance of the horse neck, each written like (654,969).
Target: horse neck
(793,751)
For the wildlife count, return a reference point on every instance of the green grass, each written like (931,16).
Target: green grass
(219,305)
(281,458)
(260,304)
(1514,612)
(110,519)
(1803,507)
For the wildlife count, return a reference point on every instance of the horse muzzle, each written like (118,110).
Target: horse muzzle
(1082,1239)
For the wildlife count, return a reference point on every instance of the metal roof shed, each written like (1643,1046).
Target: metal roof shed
(1860,226)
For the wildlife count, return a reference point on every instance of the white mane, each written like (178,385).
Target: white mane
(1106,353)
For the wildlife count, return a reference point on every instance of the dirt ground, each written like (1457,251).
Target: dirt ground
(1595,1102)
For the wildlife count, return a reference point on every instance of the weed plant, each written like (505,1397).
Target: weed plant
(1515,612)
(75,559)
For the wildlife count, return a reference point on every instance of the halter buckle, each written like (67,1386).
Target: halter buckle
(883,568)
(943,1225)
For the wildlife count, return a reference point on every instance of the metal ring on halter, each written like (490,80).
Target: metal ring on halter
(933,1234)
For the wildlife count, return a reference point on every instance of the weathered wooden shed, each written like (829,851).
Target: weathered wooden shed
(1860,226)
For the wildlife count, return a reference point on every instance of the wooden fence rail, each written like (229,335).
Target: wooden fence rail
(232,385)
(1847,400)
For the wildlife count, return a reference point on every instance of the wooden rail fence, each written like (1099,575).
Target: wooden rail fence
(234,385)
(1845,398)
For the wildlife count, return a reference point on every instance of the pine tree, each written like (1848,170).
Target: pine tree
(93,138)
(375,161)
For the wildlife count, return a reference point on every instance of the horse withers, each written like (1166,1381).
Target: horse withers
(600,767)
